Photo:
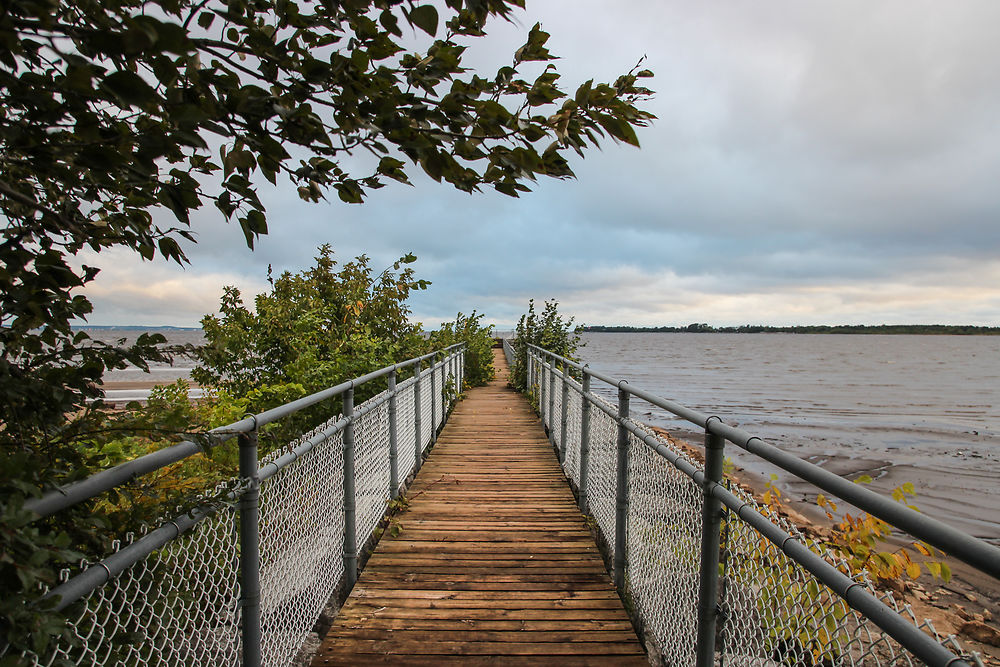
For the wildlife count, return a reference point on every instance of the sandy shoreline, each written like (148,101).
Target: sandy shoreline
(968,606)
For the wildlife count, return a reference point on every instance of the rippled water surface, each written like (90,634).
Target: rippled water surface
(903,408)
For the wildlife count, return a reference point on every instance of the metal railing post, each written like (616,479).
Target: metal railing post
(621,489)
(350,496)
(393,438)
(562,416)
(552,400)
(584,442)
(711,520)
(434,398)
(418,454)
(249,507)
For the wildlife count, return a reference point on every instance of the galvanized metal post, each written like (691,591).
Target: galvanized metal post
(418,454)
(249,507)
(393,439)
(621,489)
(562,417)
(711,520)
(584,442)
(434,398)
(350,500)
(552,400)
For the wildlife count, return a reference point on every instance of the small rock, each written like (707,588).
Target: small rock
(962,613)
(987,615)
(981,632)
(971,598)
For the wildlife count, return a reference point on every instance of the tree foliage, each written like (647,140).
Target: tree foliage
(120,119)
(550,331)
(478,341)
(313,329)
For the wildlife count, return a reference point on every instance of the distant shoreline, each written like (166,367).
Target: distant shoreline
(885,329)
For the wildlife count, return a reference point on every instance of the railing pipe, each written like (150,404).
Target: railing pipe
(249,507)
(563,415)
(350,496)
(584,443)
(393,439)
(711,522)
(418,445)
(977,553)
(71,494)
(621,490)
(852,592)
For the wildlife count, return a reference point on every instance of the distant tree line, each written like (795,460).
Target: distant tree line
(921,329)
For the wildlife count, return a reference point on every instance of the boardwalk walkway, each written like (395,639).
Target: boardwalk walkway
(494,563)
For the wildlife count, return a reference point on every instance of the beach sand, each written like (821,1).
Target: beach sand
(968,606)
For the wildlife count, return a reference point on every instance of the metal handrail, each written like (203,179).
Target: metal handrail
(975,552)
(252,473)
(981,555)
(64,497)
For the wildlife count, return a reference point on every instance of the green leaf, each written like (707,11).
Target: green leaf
(424,17)
(129,87)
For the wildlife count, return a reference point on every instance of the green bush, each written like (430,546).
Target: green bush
(478,339)
(549,331)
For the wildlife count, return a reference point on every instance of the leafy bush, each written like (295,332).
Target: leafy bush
(479,346)
(549,331)
(312,330)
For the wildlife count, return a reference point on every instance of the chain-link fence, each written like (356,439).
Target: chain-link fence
(185,594)
(772,597)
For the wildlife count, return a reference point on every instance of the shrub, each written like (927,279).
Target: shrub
(549,331)
(479,346)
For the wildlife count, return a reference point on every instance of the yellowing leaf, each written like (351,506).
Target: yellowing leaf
(913,570)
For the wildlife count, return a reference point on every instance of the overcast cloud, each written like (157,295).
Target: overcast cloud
(812,163)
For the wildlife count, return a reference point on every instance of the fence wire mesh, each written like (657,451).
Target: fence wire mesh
(603,469)
(555,419)
(574,415)
(776,612)
(426,426)
(301,544)
(773,612)
(371,464)
(663,538)
(179,606)
(405,436)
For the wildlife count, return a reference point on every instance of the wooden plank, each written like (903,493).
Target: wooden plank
(493,563)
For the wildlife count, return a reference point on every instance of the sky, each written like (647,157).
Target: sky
(811,163)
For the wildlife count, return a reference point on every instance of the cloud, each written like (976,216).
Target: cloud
(810,163)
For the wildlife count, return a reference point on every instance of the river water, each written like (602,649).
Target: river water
(924,409)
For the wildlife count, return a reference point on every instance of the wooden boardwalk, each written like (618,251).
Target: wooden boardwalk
(494,563)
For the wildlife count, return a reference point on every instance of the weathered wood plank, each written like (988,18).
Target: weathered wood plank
(493,563)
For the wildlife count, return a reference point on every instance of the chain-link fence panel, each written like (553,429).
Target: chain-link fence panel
(603,469)
(555,419)
(663,549)
(301,543)
(426,400)
(178,606)
(371,465)
(438,396)
(574,416)
(405,434)
(774,609)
